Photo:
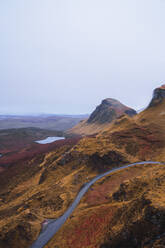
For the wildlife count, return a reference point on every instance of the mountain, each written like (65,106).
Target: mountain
(124,209)
(109,110)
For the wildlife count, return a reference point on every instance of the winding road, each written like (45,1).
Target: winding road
(54,225)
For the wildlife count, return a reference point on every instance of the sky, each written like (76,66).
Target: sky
(66,56)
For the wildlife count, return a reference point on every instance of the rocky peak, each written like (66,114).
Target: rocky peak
(111,102)
(108,110)
(158,96)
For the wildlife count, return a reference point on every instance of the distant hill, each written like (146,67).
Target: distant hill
(45,121)
(109,110)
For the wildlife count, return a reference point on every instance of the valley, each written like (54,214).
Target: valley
(82,124)
(42,121)
(122,209)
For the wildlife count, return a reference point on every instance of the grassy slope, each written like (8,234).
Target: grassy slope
(123,210)
(15,139)
(18,144)
(46,185)
(84,128)
(126,209)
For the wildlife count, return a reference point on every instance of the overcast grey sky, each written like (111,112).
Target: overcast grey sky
(65,56)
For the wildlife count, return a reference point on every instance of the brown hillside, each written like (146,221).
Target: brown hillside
(126,209)
(109,110)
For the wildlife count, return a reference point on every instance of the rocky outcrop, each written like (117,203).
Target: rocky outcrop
(109,110)
(158,96)
(106,162)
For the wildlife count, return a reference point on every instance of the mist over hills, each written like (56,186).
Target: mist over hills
(44,121)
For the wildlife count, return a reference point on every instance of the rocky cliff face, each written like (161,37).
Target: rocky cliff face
(109,110)
(158,96)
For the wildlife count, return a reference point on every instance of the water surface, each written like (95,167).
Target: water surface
(49,140)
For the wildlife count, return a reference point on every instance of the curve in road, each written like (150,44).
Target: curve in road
(54,225)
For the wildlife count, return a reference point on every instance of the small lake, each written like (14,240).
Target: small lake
(49,140)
